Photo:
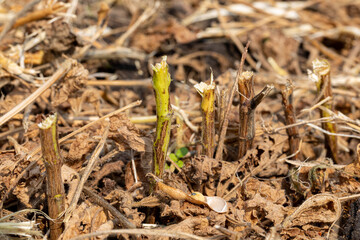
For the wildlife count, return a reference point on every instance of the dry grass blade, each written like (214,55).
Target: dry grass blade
(147,232)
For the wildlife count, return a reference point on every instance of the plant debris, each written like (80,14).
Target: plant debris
(229,163)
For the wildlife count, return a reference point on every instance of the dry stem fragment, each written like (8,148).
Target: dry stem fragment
(207,93)
(321,77)
(53,161)
(248,103)
(290,118)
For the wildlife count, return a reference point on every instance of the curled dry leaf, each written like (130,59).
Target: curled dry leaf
(259,208)
(126,201)
(86,218)
(108,168)
(125,134)
(270,191)
(173,211)
(80,147)
(321,208)
(71,178)
(203,172)
(73,82)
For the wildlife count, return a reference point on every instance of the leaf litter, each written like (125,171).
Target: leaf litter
(98,57)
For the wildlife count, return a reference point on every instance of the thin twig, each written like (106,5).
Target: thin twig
(184,116)
(332,134)
(149,11)
(147,232)
(225,122)
(103,203)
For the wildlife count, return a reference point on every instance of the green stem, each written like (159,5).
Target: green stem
(161,83)
(53,162)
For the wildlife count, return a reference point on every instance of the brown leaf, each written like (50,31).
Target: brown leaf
(173,211)
(269,190)
(80,147)
(125,134)
(259,208)
(86,218)
(73,81)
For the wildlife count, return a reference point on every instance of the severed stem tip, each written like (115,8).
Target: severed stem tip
(160,65)
(47,122)
(321,67)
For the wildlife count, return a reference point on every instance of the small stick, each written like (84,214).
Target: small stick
(161,84)
(53,161)
(321,77)
(103,203)
(225,122)
(290,118)
(207,93)
(247,106)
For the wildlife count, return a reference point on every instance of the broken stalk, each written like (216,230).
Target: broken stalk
(248,103)
(53,161)
(290,119)
(161,83)
(321,77)
(207,93)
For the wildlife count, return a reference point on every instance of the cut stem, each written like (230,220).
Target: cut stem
(248,104)
(321,77)
(290,119)
(207,93)
(53,161)
(161,83)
